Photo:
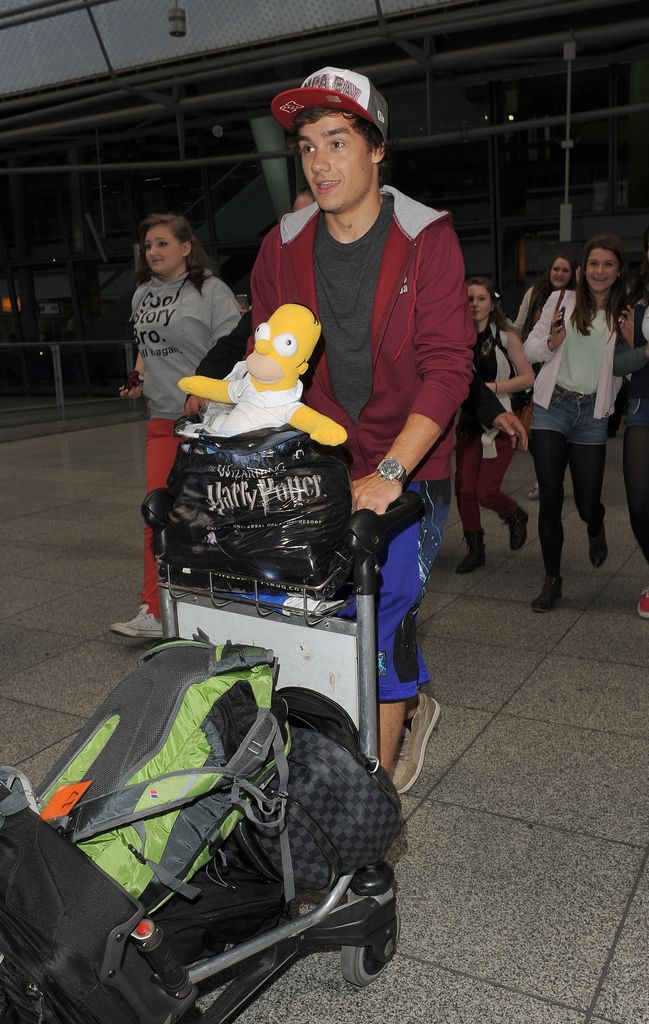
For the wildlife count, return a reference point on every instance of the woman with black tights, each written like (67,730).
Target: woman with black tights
(633,358)
(574,394)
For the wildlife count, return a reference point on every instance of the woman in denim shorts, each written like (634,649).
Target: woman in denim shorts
(574,394)
(633,358)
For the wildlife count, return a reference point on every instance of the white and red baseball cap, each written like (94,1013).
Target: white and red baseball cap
(338,89)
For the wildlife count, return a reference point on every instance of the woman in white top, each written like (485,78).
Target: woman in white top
(574,394)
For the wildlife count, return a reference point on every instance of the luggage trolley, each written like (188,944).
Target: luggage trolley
(318,651)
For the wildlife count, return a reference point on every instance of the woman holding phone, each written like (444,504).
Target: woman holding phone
(574,394)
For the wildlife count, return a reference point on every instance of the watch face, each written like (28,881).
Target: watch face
(391,469)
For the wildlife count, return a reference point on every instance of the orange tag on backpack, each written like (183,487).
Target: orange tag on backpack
(64,800)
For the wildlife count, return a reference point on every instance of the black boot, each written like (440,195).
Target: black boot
(475,557)
(598,548)
(551,592)
(517,528)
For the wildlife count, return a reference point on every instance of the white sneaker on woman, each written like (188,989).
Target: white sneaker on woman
(144,625)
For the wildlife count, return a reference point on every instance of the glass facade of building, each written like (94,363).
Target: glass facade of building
(66,237)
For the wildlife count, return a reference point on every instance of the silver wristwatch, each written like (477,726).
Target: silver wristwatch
(391,469)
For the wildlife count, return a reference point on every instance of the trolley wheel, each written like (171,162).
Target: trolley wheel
(359,965)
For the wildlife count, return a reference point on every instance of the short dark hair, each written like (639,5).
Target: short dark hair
(366,129)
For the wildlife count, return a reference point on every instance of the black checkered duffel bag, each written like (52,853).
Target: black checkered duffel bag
(340,816)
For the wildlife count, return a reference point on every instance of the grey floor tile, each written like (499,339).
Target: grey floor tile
(83,511)
(611,629)
(19,557)
(556,775)
(313,990)
(32,530)
(593,694)
(76,681)
(82,614)
(465,675)
(636,567)
(625,994)
(433,601)
(129,582)
(515,626)
(510,903)
(19,593)
(21,647)
(83,568)
(25,730)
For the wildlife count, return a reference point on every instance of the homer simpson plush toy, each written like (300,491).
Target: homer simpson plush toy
(264,391)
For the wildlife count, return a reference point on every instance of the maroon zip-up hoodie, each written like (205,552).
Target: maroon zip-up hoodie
(422,334)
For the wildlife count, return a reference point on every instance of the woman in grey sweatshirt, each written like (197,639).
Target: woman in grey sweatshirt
(180,309)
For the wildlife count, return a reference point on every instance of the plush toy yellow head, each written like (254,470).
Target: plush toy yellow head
(283,347)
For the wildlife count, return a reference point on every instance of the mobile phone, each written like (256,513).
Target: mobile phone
(244,305)
(560,320)
(133,380)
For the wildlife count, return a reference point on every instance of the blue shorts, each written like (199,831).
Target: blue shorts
(572,417)
(638,412)
(404,578)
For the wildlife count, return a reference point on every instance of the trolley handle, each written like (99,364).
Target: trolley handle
(367,535)
(156,508)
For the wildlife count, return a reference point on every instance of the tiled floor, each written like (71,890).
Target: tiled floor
(523,884)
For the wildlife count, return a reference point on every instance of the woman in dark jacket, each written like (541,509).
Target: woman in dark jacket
(633,359)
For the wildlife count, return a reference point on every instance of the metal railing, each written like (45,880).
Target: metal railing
(75,390)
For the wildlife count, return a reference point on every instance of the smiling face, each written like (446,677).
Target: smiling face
(481,305)
(560,273)
(165,255)
(601,271)
(338,166)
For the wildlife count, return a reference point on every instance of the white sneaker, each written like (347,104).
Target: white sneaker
(410,759)
(144,625)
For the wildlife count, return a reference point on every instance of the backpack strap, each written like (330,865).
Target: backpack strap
(231,657)
(272,809)
(138,801)
(8,779)
(145,799)
(168,879)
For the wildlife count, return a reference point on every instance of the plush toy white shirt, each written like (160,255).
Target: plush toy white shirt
(252,409)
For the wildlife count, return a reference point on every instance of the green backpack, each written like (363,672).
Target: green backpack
(170,763)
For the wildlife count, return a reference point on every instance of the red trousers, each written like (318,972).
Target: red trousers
(478,480)
(161,448)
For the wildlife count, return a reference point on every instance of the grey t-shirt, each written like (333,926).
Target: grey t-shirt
(346,274)
(174,325)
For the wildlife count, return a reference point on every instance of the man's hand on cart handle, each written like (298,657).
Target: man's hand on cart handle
(374,493)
